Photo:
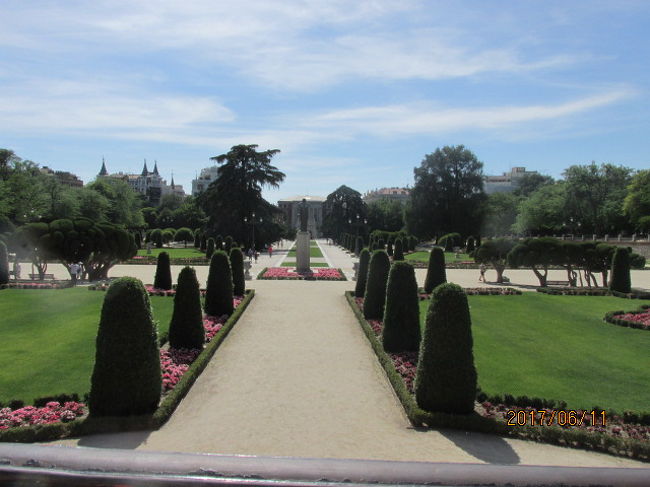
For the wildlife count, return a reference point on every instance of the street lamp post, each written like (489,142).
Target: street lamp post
(253,222)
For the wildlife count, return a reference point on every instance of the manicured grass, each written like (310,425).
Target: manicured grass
(313,252)
(449,257)
(311,264)
(559,347)
(48,340)
(189,252)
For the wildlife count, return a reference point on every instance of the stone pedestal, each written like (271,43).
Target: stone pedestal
(247,270)
(302,252)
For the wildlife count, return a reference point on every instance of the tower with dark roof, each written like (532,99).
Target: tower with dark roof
(155,168)
(103,171)
(145,171)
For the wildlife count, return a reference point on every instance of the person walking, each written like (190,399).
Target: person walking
(256,254)
(73,273)
(250,254)
(270,250)
(481,268)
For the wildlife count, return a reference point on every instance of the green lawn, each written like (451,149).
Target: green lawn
(48,340)
(313,252)
(189,252)
(424,257)
(558,347)
(311,264)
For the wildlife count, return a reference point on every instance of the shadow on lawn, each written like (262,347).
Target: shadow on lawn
(489,448)
(128,440)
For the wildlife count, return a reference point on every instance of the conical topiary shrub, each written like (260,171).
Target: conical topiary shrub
(358,245)
(445,380)
(204,243)
(402,314)
(209,250)
(436,273)
(362,274)
(398,252)
(389,248)
(218,295)
(197,240)
(375,297)
(227,244)
(620,271)
(186,327)
(163,279)
(126,378)
(218,243)
(237,267)
(470,246)
(4,264)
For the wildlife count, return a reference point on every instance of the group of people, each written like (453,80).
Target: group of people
(76,271)
(254,254)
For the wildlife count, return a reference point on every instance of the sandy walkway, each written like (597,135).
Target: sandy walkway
(297,377)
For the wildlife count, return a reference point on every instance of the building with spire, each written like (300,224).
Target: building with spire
(150,184)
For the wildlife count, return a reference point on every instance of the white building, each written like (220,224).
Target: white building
(200,184)
(291,208)
(505,183)
(398,194)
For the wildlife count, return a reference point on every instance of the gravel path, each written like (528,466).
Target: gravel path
(297,377)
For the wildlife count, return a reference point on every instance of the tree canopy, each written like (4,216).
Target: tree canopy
(341,206)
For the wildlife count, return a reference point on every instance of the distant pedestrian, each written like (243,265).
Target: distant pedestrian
(270,250)
(16,269)
(80,270)
(250,254)
(481,268)
(256,255)
(73,272)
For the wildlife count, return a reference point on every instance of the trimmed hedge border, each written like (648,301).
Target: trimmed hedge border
(172,261)
(580,291)
(260,276)
(611,317)
(37,285)
(474,422)
(169,402)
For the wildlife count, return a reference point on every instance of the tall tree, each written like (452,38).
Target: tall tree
(543,212)
(637,202)
(528,183)
(125,203)
(341,209)
(501,213)
(236,194)
(448,193)
(386,215)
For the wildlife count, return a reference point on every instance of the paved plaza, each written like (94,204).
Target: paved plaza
(297,377)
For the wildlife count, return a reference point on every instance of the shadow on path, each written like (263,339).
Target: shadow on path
(124,441)
(489,448)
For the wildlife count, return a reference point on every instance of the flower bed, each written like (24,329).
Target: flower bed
(627,434)
(37,285)
(479,291)
(53,412)
(316,274)
(632,319)
(581,291)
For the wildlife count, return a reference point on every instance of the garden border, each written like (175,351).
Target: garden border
(610,317)
(261,278)
(549,434)
(582,291)
(167,405)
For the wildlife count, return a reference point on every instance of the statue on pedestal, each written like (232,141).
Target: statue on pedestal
(304,215)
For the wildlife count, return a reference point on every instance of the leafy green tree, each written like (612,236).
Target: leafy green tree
(237,194)
(447,194)
(183,234)
(538,254)
(125,203)
(544,211)
(637,202)
(501,213)
(186,327)
(219,291)
(386,214)
(436,273)
(126,379)
(156,237)
(150,216)
(446,378)
(495,252)
(375,297)
(402,312)
(340,212)
(163,279)
(528,183)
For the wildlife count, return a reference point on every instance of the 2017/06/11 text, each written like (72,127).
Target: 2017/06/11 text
(543,417)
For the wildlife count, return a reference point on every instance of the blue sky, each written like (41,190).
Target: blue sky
(351,92)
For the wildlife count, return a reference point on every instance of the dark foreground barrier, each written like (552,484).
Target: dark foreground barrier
(23,465)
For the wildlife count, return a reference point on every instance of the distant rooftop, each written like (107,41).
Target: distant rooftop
(306,197)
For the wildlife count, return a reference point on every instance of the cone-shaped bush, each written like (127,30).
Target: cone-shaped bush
(436,273)
(4,264)
(156,238)
(445,380)
(138,239)
(186,328)
(163,279)
(402,313)
(209,250)
(204,243)
(237,266)
(620,271)
(227,244)
(218,295)
(398,252)
(362,274)
(218,243)
(389,248)
(126,379)
(197,240)
(470,245)
(358,245)
(375,297)
(381,244)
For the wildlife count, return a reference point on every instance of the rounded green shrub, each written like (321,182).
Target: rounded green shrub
(157,238)
(402,313)
(375,297)
(163,279)
(183,234)
(186,327)
(237,266)
(398,252)
(219,292)
(446,379)
(436,273)
(126,378)
(209,249)
(620,271)
(4,264)
(362,274)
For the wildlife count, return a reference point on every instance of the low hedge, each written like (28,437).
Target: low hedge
(611,317)
(37,285)
(168,404)
(581,291)
(474,422)
(172,260)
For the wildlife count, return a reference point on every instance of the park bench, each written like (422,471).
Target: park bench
(45,276)
(557,283)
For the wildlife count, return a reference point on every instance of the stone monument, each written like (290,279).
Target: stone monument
(302,240)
